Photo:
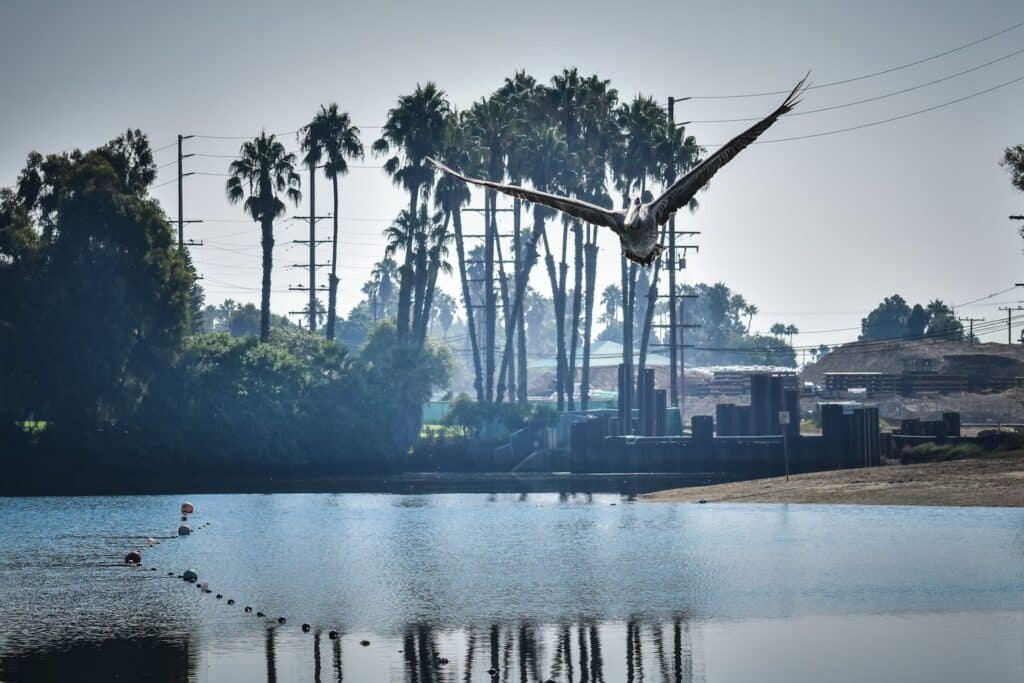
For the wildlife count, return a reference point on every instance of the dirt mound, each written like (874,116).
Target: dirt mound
(979,362)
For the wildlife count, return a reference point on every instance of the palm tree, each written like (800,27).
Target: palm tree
(330,134)
(444,311)
(437,256)
(777,330)
(611,301)
(635,160)
(551,169)
(262,172)
(450,196)
(414,130)
(489,126)
(521,96)
(750,310)
(791,330)
(384,275)
(318,311)
(599,135)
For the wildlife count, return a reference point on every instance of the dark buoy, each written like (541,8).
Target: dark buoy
(492,672)
(152,569)
(248,609)
(282,620)
(184,530)
(442,660)
(260,614)
(364,643)
(231,602)
(134,557)
(219,596)
(170,573)
(190,576)
(305,628)
(333,635)
(702,501)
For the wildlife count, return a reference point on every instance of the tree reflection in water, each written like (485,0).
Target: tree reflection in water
(524,652)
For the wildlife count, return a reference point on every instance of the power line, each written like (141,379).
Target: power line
(280,135)
(888,120)
(871,99)
(864,76)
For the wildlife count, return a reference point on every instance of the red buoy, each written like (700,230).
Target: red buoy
(134,557)
(187,508)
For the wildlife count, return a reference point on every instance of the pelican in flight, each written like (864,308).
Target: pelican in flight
(638,226)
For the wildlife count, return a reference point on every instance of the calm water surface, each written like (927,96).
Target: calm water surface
(536,588)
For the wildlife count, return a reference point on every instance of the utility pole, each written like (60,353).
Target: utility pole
(1009,320)
(971,321)
(312,247)
(673,266)
(672,359)
(181,194)
(683,326)
(312,288)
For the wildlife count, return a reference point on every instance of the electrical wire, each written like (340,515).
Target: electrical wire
(882,121)
(804,112)
(865,76)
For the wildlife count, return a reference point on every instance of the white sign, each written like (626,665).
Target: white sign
(783,417)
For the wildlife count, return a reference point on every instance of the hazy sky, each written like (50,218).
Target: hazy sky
(815,232)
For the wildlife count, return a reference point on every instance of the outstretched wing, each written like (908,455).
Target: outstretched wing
(585,211)
(683,190)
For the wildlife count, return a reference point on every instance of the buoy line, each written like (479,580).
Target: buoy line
(189,576)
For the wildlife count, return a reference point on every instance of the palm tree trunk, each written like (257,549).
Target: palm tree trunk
(460,249)
(420,280)
(509,323)
(268,264)
(590,265)
(428,296)
(332,295)
(627,348)
(521,316)
(645,333)
(559,305)
(405,274)
(490,302)
(577,301)
(563,272)
(530,258)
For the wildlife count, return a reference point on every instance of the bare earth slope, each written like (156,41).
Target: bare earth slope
(980,362)
(991,481)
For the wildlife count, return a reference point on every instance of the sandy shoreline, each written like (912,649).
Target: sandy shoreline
(992,481)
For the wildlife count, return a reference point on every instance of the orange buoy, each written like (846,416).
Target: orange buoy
(134,557)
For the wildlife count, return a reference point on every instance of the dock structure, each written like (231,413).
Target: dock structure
(740,441)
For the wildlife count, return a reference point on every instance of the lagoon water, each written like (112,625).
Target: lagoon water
(535,587)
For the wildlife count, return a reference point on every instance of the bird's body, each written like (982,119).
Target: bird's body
(638,225)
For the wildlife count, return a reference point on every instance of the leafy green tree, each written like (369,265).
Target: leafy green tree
(86,218)
(263,171)
(1013,161)
(888,321)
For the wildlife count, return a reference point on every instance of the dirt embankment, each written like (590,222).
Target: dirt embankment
(992,481)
